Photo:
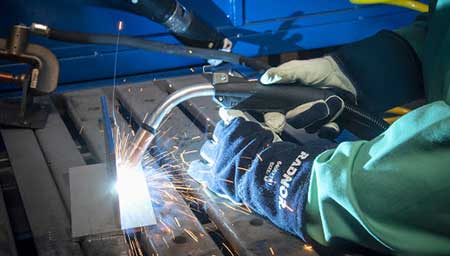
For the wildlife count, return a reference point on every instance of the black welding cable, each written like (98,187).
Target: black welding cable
(372,122)
(86,38)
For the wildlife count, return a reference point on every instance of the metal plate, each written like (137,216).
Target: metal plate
(60,157)
(93,199)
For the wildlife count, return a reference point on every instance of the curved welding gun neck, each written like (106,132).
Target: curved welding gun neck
(154,121)
(151,125)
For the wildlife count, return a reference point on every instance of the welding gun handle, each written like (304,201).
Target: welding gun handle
(253,96)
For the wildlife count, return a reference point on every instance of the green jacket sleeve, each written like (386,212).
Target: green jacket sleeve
(390,194)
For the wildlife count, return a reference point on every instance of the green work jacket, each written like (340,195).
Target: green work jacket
(392,194)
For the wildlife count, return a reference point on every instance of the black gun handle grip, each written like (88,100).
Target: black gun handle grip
(253,96)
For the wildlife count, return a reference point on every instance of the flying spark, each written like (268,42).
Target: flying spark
(120,25)
(228,249)
(192,235)
(272,252)
(308,247)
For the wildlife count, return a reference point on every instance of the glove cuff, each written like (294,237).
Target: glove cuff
(277,184)
(384,69)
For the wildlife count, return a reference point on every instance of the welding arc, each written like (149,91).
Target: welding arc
(134,42)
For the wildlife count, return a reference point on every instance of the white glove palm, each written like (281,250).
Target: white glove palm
(320,72)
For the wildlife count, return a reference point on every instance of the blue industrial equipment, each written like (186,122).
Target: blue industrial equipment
(257,27)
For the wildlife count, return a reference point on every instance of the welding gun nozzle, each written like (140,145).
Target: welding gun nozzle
(137,148)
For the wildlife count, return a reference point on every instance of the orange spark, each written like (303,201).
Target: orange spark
(228,180)
(289,208)
(308,247)
(192,235)
(165,242)
(243,169)
(178,223)
(145,116)
(120,25)
(228,249)
(259,157)
(271,251)
(235,208)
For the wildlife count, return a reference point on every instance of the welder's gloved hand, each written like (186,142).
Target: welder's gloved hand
(273,121)
(377,73)
(243,163)
(317,116)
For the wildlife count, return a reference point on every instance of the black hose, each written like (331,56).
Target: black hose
(187,27)
(361,123)
(354,116)
(86,38)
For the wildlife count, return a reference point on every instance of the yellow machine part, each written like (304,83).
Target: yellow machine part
(415,5)
(398,112)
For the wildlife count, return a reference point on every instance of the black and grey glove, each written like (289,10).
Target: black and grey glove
(376,74)
(317,116)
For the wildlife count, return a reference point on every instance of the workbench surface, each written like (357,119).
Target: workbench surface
(191,221)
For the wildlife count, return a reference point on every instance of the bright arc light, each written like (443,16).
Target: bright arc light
(136,208)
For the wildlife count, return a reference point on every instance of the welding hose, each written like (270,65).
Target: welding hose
(187,27)
(133,42)
(353,113)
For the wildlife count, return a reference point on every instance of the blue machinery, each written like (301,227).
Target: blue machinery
(257,27)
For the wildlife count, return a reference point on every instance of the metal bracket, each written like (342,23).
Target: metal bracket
(219,78)
(23,112)
(40,80)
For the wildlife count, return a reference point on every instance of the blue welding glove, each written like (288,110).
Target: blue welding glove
(243,164)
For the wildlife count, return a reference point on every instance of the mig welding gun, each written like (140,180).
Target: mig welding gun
(250,95)
(203,41)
